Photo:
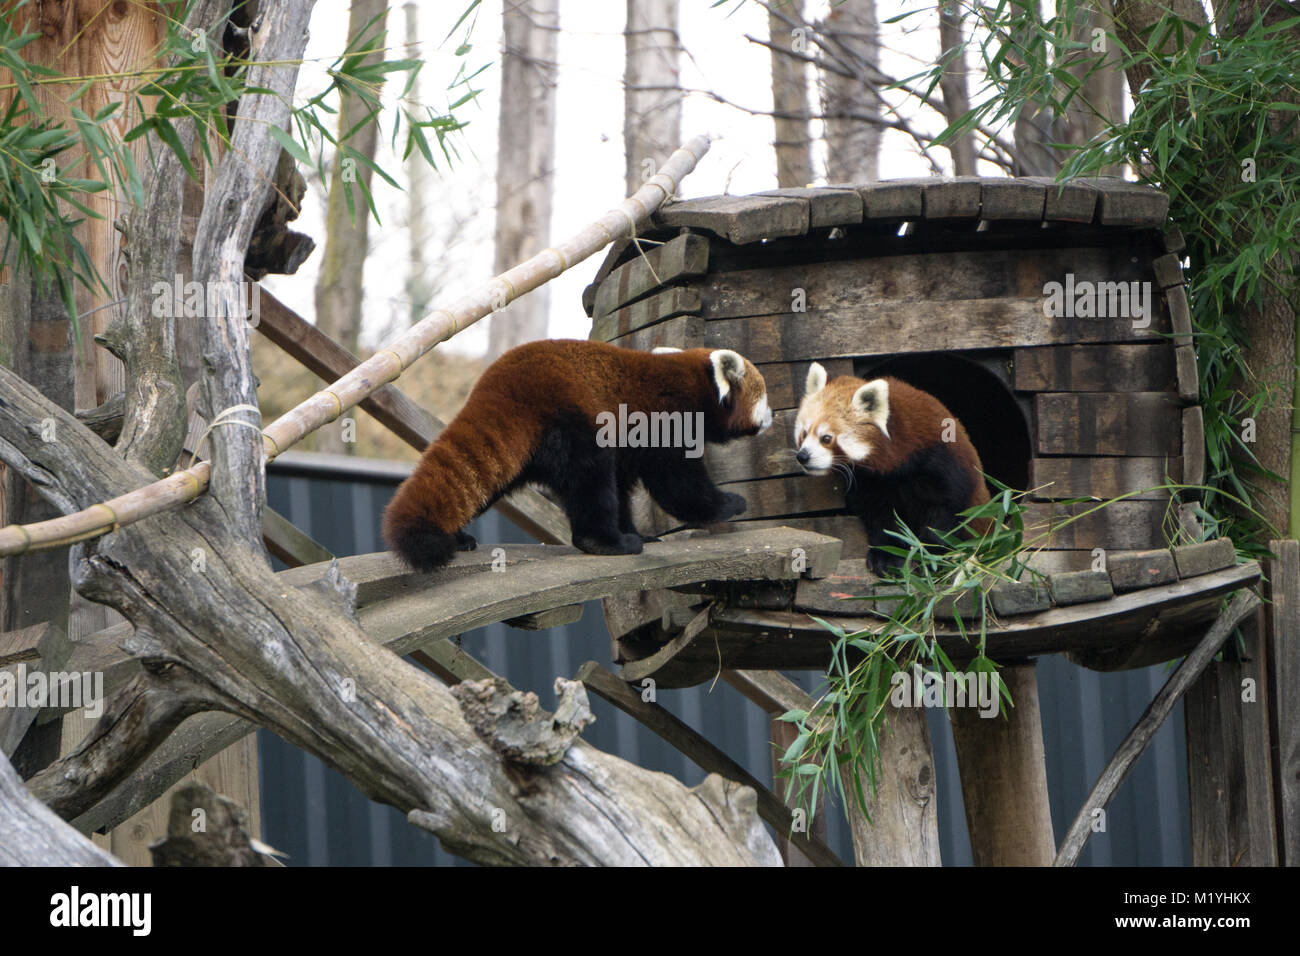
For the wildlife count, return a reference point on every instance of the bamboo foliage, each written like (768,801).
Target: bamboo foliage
(380,369)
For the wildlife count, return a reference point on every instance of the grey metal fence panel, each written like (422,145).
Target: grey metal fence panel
(318,818)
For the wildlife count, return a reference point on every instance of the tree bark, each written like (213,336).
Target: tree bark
(34,836)
(792,142)
(525,161)
(652,98)
(956,96)
(853,145)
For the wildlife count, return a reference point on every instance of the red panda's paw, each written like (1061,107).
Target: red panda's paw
(625,544)
(731,506)
(883,565)
(465,542)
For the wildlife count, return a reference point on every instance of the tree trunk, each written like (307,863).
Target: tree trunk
(652,98)
(418,291)
(340,286)
(956,96)
(525,161)
(852,103)
(790,97)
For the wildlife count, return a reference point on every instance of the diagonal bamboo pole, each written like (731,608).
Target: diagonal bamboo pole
(380,369)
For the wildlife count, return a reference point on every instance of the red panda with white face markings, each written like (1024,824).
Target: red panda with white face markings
(888,438)
(534,417)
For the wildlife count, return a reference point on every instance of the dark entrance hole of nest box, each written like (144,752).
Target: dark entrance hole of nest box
(976,392)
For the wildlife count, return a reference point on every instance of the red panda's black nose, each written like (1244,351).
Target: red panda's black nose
(802,456)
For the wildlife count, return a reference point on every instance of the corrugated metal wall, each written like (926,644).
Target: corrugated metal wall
(318,818)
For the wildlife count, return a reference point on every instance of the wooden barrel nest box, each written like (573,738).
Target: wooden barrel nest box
(1052,320)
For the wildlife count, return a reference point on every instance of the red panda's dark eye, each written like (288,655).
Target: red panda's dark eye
(827,439)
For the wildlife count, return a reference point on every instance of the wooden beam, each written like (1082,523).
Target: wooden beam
(1117,770)
(705,755)
(1283,622)
(328,360)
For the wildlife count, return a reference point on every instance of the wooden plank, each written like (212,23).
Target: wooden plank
(1095,368)
(893,199)
(612,258)
(289,544)
(653,269)
(1141,569)
(682,332)
(922,278)
(1174,240)
(1180,315)
(768,455)
(1128,204)
(1070,201)
(324,357)
(1196,559)
(1079,587)
(1120,526)
(1130,630)
(847,528)
(1193,441)
(827,205)
(1104,478)
(1189,385)
(1117,770)
(1229,765)
(1168,270)
(1283,623)
(545,620)
(23,645)
(890,328)
(740,219)
(656,308)
(956,198)
(785,380)
(1142,424)
(1019,198)
(704,754)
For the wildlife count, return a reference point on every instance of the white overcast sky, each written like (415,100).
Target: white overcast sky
(589,147)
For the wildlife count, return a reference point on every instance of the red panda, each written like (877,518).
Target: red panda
(535,416)
(901,452)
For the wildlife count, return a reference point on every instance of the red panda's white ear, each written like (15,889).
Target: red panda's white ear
(815,381)
(728,370)
(872,402)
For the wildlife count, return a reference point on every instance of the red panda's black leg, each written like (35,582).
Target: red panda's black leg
(465,541)
(683,488)
(589,493)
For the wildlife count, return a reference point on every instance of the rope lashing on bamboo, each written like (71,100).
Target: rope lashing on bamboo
(221,420)
(381,368)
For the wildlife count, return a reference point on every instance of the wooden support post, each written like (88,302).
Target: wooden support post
(1283,621)
(1229,760)
(1004,777)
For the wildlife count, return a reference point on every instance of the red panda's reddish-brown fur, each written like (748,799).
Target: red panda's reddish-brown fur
(904,452)
(531,416)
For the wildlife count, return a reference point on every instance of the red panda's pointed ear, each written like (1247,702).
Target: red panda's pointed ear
(728,370)
(815,381)
(872,402)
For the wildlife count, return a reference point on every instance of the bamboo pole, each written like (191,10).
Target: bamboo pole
(380,369)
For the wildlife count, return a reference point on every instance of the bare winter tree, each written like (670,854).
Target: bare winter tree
(793,144)
(851,99)
(956,94)
(525,159)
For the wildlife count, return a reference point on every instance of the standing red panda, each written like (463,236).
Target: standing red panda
(534,416)
(889,440)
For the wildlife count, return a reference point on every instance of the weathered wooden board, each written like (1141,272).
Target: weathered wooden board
(683,332)
(1108,423)
(923,278)
(1019,198)
(1168,270)
(1169,619)
(1057,478)
(740,219)
(1121,526)
(1180,315)
(889,328)
(1141,569)
(956,198)
(893,199)
(648,311)
(656,268)
(1123,203)
(827,206)
(846,527)
(768,455)
(1095,368)
(785,380)
(1283,623)
(1193,429)
(1189,386)
(1073,201)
